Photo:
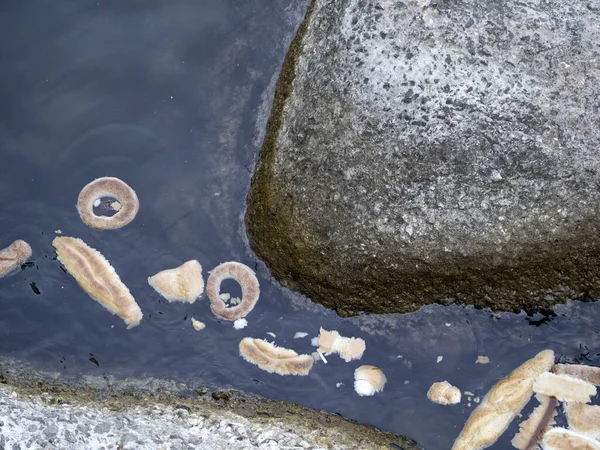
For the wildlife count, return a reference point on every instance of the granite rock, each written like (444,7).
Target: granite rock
(433,152)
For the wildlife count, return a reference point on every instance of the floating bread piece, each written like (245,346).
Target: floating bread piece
(13,256)
(368,380)
(564,387)
(183,283)
(502,403)
(563,439)
(444,393)
(541,420)
(275,359)
(97,277)
(590,374)
(198,325)
(246,279)
(240,323)
(127,204)
(348,348)
(482,360)
(584,419)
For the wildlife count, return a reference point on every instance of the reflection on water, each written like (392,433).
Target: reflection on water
(168,97)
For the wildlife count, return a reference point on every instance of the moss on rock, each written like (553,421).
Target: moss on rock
(363,208)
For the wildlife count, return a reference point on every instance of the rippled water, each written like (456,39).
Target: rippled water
(172,98)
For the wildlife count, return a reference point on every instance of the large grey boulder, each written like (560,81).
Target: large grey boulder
(445,151)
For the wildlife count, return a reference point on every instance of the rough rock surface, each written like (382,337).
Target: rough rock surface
(44,410)
(445,151)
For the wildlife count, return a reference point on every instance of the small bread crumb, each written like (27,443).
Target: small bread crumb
(444,393)
(240,323)
(198,325)
(482,360)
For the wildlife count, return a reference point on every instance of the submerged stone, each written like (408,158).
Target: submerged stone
(423,152)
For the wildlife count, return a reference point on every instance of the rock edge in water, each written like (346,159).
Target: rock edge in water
(431,153)
(169,406)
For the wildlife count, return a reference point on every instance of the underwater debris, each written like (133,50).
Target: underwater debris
(273,359)
(563,439)
(318,356)
(98,278)
(182,284)
(482,360)
(564,387)
(590,374)
(443,393)
(322,356)
(348,348)
(13,256)
(368,380)
(127,203)
(539,421)
(584,419)
(246,279)
(198,325)
(502,403)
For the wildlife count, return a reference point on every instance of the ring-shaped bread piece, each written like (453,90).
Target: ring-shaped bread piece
(107,187)
(247,281)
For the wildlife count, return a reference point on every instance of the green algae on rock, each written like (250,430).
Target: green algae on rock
(424,153)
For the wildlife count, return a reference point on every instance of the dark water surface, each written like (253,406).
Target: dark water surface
(172,97)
